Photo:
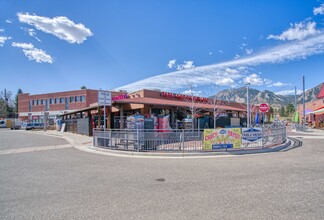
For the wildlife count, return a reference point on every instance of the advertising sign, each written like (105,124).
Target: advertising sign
(104,98)
(251,134)
(222,138)
(264,107)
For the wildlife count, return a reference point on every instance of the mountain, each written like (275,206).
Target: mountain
(266,96)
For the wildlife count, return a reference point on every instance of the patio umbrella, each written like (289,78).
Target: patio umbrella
(257,118)
(296,117)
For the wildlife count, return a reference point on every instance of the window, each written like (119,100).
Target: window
(57,100)
(38,102)
(52,101)
(77,98)
(33,102)
(72,99)
(82,98)
(61,100)
(42,102)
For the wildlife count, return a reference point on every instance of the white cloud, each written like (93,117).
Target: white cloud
(33,53)
(253,79)
(319,10)
(2,30)
(192,92)
(225,82)
(204,75)
(279,84)
(231,71)
(220,51)
(171,63)
(248,51)
(3,39)
(210,53)
(289,92)
(187,65)
(61,27)
(236,56)
(8,21)
(297,31)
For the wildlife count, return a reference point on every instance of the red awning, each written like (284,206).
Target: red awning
(164,102)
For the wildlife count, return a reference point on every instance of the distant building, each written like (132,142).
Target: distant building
(314,110)
(32,107)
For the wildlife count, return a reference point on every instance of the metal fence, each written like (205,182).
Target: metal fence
(174,140)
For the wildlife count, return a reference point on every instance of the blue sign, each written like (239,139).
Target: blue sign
(251,134)
(221,146)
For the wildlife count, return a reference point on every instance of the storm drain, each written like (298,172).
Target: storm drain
(161,180)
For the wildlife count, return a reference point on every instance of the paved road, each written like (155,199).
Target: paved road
(10,139)
(71,184)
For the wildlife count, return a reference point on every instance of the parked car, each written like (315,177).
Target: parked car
(32,125)
(3,124)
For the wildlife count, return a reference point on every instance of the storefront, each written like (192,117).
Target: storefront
(149,109)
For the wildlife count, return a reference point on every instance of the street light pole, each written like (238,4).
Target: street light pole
(248,104)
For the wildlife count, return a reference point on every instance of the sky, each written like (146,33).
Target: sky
(198,47)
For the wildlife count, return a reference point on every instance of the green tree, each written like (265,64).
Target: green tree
(290,109)
(83,87)
(282,112)
(16,99)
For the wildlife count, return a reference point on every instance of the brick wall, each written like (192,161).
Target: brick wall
(89,95)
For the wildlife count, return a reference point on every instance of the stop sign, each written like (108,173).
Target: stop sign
(264,107)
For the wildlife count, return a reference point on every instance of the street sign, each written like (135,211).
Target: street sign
(104,98)
(264,107)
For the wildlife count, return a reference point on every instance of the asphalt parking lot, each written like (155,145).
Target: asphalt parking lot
(72,184)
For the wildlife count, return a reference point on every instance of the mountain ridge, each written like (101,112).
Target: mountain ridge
(266,96)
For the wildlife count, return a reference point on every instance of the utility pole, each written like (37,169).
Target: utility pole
(295,98)
(248,104)
(304,115)
(6,104)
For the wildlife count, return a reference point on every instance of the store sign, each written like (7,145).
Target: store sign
(104,98)
(264,107)
(120,97)
(183,97)
(251,134)
(222,138)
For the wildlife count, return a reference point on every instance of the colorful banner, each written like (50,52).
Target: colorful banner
(222,138)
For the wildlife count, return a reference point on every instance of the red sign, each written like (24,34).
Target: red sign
(264,107)
(183,97)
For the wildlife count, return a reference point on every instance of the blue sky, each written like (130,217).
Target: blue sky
(49,46)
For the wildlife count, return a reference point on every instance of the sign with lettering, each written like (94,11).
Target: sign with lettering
(183,97)
(104,98)
(251,134)
(222,138)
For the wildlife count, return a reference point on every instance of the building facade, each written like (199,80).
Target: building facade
(32,107)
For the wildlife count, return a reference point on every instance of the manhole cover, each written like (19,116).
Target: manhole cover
(161,180)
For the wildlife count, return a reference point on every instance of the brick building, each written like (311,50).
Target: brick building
(32,107)
(314,110)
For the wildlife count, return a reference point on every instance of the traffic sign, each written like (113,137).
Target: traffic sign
(264,107)
(104,98)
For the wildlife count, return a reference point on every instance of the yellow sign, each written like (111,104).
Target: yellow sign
(222,138)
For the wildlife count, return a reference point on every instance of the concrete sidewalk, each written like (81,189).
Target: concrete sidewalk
(73,139)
